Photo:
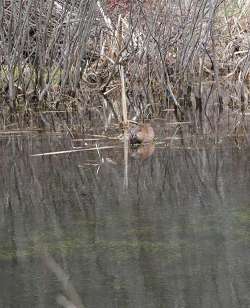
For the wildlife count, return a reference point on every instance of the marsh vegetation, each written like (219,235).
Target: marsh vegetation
(87,221)
(61,62)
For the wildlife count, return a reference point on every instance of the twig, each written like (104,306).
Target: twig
(73,151)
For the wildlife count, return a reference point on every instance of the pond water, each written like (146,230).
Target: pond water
(177,236)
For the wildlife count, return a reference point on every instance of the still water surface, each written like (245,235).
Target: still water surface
(179,236)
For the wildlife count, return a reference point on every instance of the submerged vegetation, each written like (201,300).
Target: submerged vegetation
(63,63)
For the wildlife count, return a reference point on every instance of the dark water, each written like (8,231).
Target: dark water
(179,236)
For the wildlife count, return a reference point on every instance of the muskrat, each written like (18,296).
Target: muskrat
(142,133)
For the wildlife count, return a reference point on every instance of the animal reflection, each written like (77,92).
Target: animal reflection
(142,151)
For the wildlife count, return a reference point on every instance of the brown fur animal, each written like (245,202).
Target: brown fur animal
(142,133)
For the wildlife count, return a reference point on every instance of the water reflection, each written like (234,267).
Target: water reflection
(178,237)
(143,151)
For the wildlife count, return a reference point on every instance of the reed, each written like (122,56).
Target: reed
(104,62)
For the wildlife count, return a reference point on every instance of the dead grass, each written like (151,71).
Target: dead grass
(171,55)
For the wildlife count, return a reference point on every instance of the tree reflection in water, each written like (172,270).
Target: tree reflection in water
(178,237)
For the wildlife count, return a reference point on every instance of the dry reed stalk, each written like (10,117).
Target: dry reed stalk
(104,137)
(124,100)
(178,123)
(88,164)
(74,151)
(105,17)
(17,132)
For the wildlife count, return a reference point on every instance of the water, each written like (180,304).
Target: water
(178,236)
